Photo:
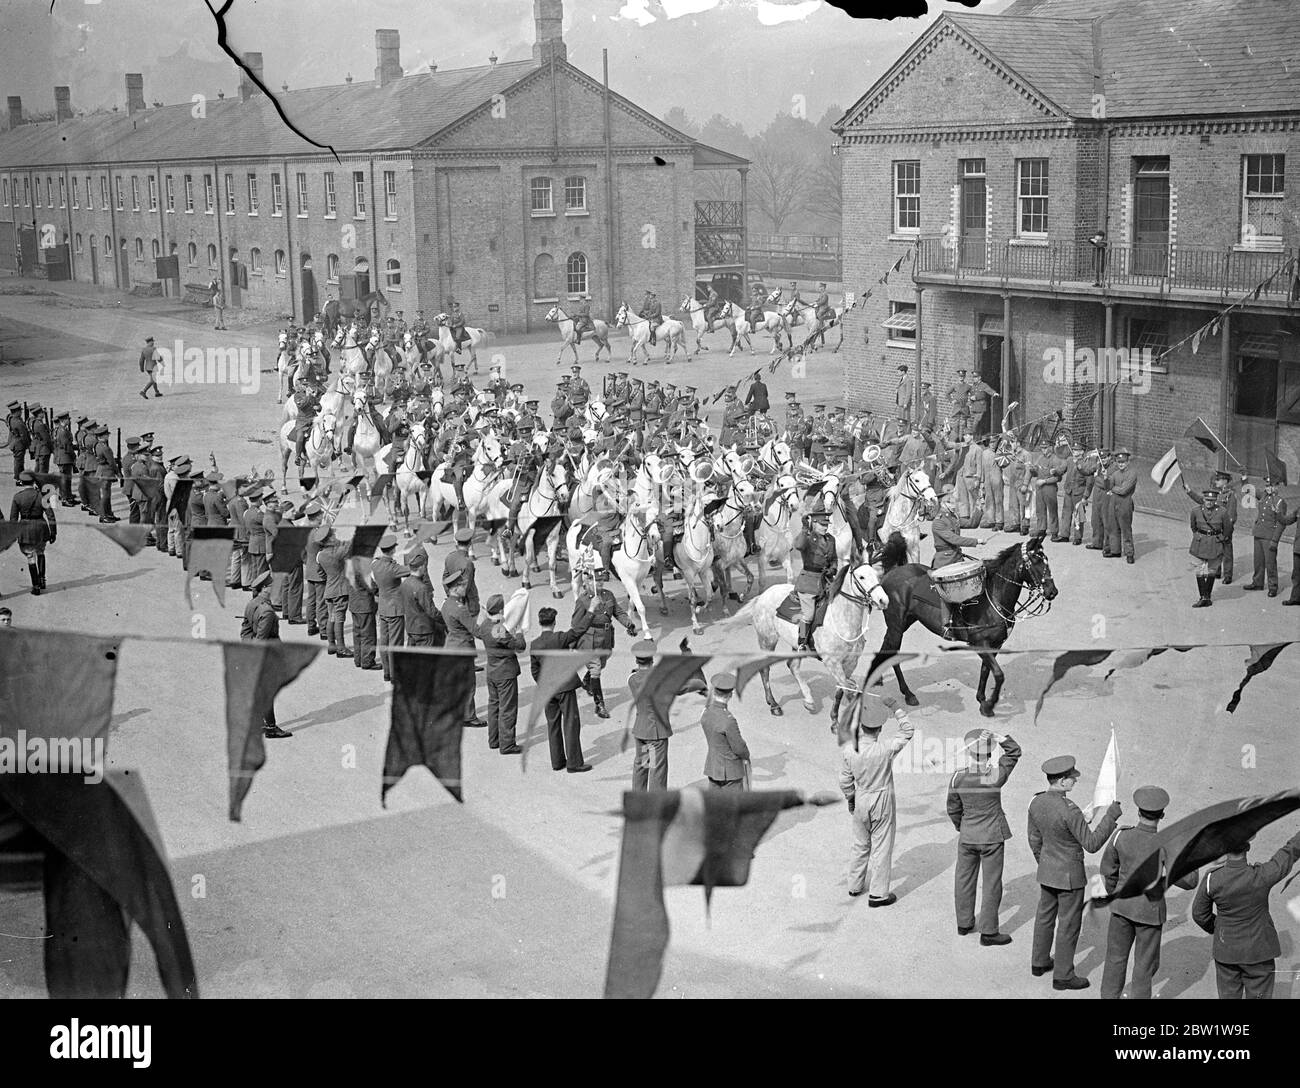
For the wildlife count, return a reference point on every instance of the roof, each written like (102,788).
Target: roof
(707,157)
(1158,58)
(351,117)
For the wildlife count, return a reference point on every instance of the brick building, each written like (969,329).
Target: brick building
(992,152)
(510,187)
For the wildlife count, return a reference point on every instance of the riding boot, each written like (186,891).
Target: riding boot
(35,576)
(586,682)
(804,627)
(598,693)
(1208,592)
(40,569)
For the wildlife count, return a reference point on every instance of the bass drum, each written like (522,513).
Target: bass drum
(959,582)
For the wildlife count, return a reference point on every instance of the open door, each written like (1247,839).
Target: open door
(308,278)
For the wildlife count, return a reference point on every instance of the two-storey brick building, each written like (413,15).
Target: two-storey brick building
(510,187)
(995,150)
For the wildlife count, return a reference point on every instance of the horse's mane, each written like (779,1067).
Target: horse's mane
(838,583)
(894,552)
(998,560)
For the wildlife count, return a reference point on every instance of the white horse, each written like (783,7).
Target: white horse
(839,528)
(407,479)
(318,449)
(382,368)
(569,336)
(594,477)
(477,338)
(806,315)
(781,522)
(909,499)
(640,540)
(542,513)
(839,641)
(672,331)
(694,309)
(352,360)
(284,365)
(694,558)
(729,537)
(774,324)
(366,442)
(484,491)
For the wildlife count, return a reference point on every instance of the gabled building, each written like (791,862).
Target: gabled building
(994,152)
(511,187)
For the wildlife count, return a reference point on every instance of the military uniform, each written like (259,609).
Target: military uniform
(597,614)
(42,446)
(1209,527)
(261,624)
(1270,518)
(975,809)
(1048,469)
(65,457)
(817,549)
(959,394)
(19,438)
(650,764)
(727,754)
(106,471)
(387,575)
(36,527)
(1122,478)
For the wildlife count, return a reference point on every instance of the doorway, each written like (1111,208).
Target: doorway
(94,260)
(973,214)
(308,288)
(1151,218)
(124,266)
(988,368)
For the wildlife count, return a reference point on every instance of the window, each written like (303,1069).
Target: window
(390,194)
(103,193)
(302,194)
(575,194)
(575,273)
(901,325)
(63,195)
(4,187)
(393,274)
(1031,196)
(280,263)
(1148,333)
(252,194)
(331,199)
(188,192)
(27,193)
(209,194)
(78,243)
(139,249)
(212,257)
(332,268)
(907,197)
(157,249)
(540,192)
(169,192)
(230,194)
(36,192)
(255,260)
(1263,193)
(151,187)
(361,266)
(277,195)
(359,194)
(135,193)
(117,181)
(108,246)
(90,194)
(49,193)
(192,254)
(544,278)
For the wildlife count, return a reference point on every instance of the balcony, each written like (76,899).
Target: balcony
(1181,273)
(719,214)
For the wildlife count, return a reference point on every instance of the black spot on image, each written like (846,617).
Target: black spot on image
(660,162)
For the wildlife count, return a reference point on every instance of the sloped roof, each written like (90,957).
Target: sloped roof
(1158,58)
(351,117)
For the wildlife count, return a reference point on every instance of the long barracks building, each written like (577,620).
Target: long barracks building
(511,187)
(997,146)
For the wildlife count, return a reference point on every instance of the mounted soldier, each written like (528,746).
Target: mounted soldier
(713,306)
(456,323)
(579,390)
(823,311)
(755,313)
(817,548)
(652,310)
(456,451)
(582,322)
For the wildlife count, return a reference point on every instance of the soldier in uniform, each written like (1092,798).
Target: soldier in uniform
(975,809)
(36,527)
(1058,837)
(1123,482)
(822,310)
(387,575)
(1049,469)
(461,559)
(927,408)
(1270,518)
(754,312)
(362,606)
(19,437)
(65,456)
(255,528)
(579,390)
(733,417)
(106,471)
(1103,507)
(653,311)
(42,446)
(598,604)
(650,764)
(421,617)
(308,406)
(654,397)
(712,307)
(948,544)
(793,420)
(1135,923)
(903,395)
(1209,527)
(456,323)
(1227,505)
(876,483)
(462,626)
(959,394)
(561,407)
(497,386)
(1074,485)
(261,625)
(1292,518)
(461,385)
(502,647)
(1232,903)
(726,764)
(582,322)
(981,393)
(563,723)
(239,571)
(156,474)
(817,549)
(86,438)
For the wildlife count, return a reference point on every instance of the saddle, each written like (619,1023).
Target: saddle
(788,610)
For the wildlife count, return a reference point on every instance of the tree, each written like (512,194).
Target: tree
(824,188)
(679,119)
(777,181)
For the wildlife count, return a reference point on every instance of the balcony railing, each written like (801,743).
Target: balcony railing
(1164,269)
(719,213)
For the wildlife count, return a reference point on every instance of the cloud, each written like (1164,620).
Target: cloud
(770,14)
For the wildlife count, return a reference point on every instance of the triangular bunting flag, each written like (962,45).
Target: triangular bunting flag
(288,547)
(210,549)
(55,684)
(365,540)
(558,668)
(180,497)
(1261,660)
(1200,431)
(429,696)
(669,677)
(1063,663)
(130,538)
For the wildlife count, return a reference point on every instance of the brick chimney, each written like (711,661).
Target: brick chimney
(15,111)
(247,88)
(62,104)
(388,53)
(549,15)
(134,92)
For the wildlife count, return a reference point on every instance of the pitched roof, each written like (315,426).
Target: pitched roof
(1158,58)
(351,117)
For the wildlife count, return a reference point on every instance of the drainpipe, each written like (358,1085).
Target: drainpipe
(1225,381)
(1105,403)
(289,260)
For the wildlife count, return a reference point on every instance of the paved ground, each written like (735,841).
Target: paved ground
(321,892)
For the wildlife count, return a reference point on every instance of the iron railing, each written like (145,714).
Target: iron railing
(719,213)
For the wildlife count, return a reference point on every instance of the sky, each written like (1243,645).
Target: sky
(745,59)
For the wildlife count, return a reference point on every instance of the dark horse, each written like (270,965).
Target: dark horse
(337,310)
(986,621)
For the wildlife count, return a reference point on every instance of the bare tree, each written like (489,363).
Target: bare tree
(824,188)
(778,182)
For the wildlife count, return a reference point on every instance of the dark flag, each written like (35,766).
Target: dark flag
(1201,838)
(1064,663)
(1276,467)
(1200,430)
(289,545)
(429,695)
(54,684)
(101,862)
(210,548)
(365,540)
(669,677)
(10,531)
(180,498)
(688,836)
(130,538)
(49,479)
(558,668)
(1261,660)
(255,674)
(746,672)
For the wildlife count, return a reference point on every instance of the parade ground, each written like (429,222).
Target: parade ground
(321,892)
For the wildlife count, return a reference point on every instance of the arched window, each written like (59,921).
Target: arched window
(361,265)
(139,249)
(544,278)
(255,260)
(172,247)
(78,243)
(212,256)
(332,268)
(279,262)
(575,272)
(192,254)
(393,273)
(108,246)
(157,248)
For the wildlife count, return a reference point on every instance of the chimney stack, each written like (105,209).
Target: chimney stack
(134,93)
(388,52)
(247,88)
(15,111)
(549,17)
(62,104)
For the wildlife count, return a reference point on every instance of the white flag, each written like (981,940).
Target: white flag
(849,300)
(515,616)
(1107,787)
(1165,472)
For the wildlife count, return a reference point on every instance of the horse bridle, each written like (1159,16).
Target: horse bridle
(862,598)
(1035,602)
